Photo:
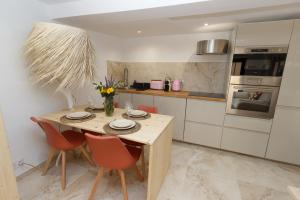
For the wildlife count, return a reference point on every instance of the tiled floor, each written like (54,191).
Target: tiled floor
(196,173)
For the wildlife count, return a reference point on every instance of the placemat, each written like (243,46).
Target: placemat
(124,115)
(64,119)
(87,109)
(111,131)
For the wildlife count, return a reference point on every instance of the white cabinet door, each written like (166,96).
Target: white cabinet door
(284,144)
(203,134)
(124,98)
(243,141)
(174,107)
(289,94)
(141,99)
(249,123)
(264,33)
(205,111)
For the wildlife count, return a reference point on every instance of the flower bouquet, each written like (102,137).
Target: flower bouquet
(108,92)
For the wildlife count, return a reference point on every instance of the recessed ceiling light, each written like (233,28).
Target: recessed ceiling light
(206,24)
(138,31)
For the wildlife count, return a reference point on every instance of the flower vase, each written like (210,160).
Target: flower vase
(109,105)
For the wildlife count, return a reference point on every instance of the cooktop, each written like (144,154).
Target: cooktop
(206,94)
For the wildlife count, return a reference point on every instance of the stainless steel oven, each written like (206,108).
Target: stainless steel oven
(252,101)
(255,81)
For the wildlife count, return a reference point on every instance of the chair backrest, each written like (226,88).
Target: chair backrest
(109,152)
(54,137)
(116,105)
(149,109)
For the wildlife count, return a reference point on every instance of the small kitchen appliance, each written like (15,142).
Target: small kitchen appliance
(177,85)
(168,84)
(157,84)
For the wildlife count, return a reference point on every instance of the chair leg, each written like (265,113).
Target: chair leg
(110,172)
(143,161)
(138,173)
(48,162)
(86,155)
(63,170)
(97,180)
(123,182)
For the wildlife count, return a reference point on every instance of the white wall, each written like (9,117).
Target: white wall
(170,48)
(19,99)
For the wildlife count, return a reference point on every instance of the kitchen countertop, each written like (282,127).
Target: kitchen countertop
(181,94)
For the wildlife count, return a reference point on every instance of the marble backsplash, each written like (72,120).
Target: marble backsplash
(196,76)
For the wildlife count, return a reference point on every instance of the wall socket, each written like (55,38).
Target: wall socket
(21,163)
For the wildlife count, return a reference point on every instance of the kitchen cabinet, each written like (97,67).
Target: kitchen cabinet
(289,94)
(174,107)
(284,143)
(249,123)
(204,122)
(275,33)
(123,99)
(209,112)
(244,141)
(141,99)
(203,134)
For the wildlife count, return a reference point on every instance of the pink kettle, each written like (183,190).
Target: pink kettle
(177,85)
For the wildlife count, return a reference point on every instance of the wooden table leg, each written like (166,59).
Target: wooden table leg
(159,161)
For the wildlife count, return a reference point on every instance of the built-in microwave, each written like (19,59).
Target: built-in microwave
(258,65)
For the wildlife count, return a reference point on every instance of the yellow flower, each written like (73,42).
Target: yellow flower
(110,90)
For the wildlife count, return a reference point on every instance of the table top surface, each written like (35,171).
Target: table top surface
(150,128)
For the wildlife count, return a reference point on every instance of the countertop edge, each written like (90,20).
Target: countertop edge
(181,94)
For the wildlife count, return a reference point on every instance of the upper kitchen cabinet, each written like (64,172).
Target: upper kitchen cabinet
(174,107)
(289,94)
(141,99)
(275,33)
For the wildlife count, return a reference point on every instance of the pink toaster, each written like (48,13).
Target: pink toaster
(157,84)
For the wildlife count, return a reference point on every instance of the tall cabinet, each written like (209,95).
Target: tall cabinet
(284,143)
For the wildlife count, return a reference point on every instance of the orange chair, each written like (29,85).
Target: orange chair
(149,109)
(65,141)
(110,153)
(116,105)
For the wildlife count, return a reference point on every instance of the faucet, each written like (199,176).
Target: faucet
(126,77)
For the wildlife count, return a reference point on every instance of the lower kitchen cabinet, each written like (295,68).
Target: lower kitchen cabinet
(174,107)
(209,112)
(141,99)
(245,141)
(249,123)
(284,144)
(203,134)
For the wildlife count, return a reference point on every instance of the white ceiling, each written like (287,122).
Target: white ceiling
(221,15)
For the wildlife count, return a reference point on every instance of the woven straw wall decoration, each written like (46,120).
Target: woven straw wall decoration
(60,54)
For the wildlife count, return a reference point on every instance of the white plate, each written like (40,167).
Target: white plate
(96,107)
(120,128)
(78,115)
(137,113)
(122,123)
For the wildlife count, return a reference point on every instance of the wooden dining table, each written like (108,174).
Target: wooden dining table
(155,132)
